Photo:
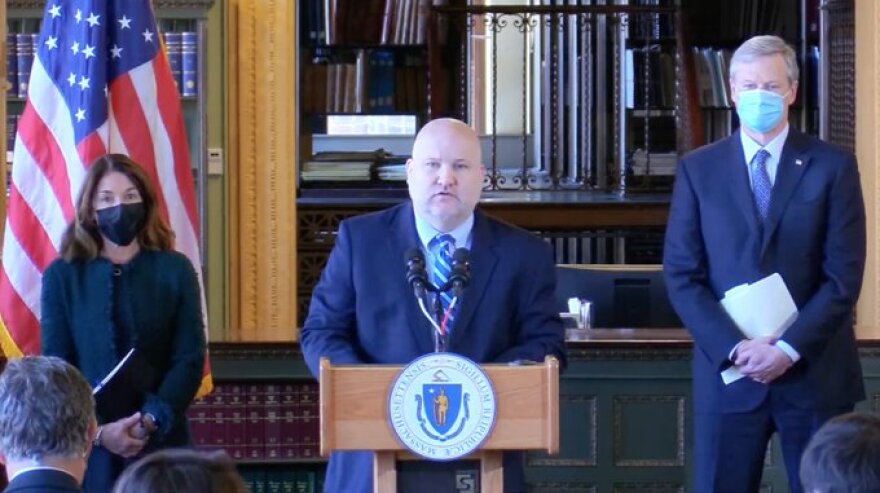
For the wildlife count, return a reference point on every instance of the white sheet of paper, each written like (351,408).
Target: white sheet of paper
(763,308)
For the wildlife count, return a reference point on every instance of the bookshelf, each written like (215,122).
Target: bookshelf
(265,416)
(715,31)
(363,71)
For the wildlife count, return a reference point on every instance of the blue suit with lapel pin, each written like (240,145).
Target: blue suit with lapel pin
(364,312)
(814,237)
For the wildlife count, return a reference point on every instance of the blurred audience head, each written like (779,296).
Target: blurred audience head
(47,415)
(844,456)
(181,471)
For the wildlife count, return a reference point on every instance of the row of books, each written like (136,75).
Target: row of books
(20,49)
(604,247)
(258,420)
(288,480)
(736,21)
(11,127)
(712,68)
(387,22)
(650,78)
(182,57)
(652,26)
(366,81)
(644,163)
(357,166)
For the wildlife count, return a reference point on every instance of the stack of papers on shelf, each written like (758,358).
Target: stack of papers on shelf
(341,165)
(391,172)
(336,171)
(661,163)
(763,308)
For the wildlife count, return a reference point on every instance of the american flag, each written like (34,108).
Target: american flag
(100,83)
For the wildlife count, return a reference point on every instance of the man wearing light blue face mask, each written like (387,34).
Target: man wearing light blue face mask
(766,200)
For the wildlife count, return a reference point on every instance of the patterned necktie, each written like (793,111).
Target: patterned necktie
(761,187)
(440,247)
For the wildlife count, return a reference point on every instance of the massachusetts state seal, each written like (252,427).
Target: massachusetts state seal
(441,406)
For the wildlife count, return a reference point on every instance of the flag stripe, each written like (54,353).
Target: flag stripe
(19,299)
(36,190)
(135,131)
(166,164)
(38,140)
(91,148)
(27,228)
(20,321)
(25,270)
(169,105)
(56,116)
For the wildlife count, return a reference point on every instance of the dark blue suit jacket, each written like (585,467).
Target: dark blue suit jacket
(814,236)
(163,294)
(363,311)
(43,481)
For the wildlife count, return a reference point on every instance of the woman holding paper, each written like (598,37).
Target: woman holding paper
(119,285)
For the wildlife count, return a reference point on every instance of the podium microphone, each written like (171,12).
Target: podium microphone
(416,275)
(417,278)
(460,274)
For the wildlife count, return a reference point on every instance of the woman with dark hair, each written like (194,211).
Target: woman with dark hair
(181,471)
(118,285)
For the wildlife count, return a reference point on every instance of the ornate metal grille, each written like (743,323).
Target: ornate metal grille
(596,80)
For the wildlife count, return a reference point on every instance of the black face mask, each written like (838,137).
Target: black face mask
(121,223)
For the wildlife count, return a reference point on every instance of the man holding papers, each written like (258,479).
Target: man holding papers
(764,255)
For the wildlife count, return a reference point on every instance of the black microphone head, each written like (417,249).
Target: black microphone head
(416,275)
(461,270)
(461,256)
(414,254)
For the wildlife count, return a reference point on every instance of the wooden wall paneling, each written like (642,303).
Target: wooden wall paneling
(261,134)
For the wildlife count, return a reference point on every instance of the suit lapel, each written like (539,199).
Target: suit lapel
(403,237)
(792,164)
(738,177)
(483,260)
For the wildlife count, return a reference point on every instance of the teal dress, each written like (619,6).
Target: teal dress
(151,303)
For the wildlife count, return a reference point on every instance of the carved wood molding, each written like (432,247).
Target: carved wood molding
(262,226)
(867,116)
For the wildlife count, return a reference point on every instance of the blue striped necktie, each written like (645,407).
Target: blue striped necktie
(761,187)
(441,246)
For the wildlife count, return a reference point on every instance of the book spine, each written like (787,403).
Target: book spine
(199,415)
(236,427)
(12,64)
(290,421)
(173,43)
(309,428)
(255,426)
(273,421)
(190,63)
(24,50)
(217,420)
(260,481)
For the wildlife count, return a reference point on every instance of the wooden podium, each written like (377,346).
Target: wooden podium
(354,402)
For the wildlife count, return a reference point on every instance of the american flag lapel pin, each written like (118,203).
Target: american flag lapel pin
(798,162)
